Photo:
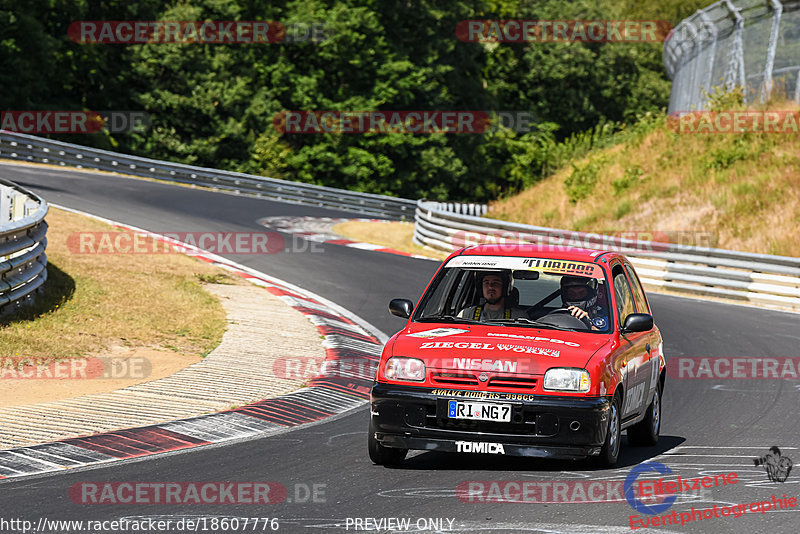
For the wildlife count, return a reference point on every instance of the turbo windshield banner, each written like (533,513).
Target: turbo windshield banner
(577,268)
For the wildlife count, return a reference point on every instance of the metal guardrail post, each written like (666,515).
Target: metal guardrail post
(18,206)
(797,88)
(708,23)
(735,70)
(5,205)
(766,89)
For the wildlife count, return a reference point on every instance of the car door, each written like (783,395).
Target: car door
(652,365)
(634,346)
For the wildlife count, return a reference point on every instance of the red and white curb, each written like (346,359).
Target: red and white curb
(320,229)
(347,337)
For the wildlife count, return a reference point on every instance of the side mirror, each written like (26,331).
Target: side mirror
(401,307)
(637,322)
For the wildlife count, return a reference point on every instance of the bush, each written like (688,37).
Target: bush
(631,176)
(581,182)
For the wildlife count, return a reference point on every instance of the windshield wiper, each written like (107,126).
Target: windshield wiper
(525,320)
(446,319)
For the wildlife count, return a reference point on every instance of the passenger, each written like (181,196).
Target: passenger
(496,287)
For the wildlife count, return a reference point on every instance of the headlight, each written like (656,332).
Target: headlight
(561,379)
(405,369)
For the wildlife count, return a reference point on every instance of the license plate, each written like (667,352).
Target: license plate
(482,411)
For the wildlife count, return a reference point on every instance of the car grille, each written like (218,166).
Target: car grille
(455,379)
(461,378)
(513,382)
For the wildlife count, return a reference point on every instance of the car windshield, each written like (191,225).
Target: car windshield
(526,292)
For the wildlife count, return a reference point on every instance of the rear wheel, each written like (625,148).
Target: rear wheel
(645,432)
(610,451)
(383,455)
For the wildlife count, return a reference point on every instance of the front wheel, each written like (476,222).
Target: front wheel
(381,455)
(645,432)
(610,451)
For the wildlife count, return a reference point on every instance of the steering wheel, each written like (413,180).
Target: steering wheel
(563,317)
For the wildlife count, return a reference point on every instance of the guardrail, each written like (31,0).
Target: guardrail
(23,262)
(36,149)
(477,210)
(729,274)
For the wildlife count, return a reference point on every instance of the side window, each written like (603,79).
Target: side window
(436,301)
(462,294)
(622,292)
(638,292)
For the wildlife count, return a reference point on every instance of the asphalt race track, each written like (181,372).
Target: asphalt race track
(709,427)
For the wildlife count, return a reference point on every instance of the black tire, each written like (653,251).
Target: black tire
(610,451)
(381,455)
(645,432)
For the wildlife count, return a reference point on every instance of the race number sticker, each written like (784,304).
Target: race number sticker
(439,332)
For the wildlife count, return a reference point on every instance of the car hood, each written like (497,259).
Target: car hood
(499,349)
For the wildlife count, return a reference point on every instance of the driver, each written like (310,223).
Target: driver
(579,296)
(496,287)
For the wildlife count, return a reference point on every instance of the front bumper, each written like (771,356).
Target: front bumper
(543,426)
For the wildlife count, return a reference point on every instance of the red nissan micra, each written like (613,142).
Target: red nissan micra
(521,350)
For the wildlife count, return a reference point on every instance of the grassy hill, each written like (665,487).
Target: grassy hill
(742,189)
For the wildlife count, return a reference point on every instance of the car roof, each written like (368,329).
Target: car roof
(541,251)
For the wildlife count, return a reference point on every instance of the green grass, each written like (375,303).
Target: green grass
(92,302)
(743,188)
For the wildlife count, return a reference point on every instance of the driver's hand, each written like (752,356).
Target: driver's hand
(577,312)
